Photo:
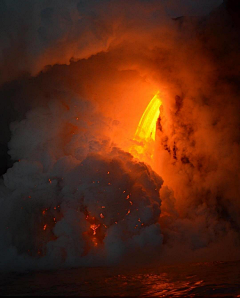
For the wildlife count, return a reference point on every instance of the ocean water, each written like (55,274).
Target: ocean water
(216,279)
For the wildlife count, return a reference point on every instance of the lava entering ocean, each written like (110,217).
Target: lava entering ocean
(84,182)
(144,137)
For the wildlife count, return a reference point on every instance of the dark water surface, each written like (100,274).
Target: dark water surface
(219,279)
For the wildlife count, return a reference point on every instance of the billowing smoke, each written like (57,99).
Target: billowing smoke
(76,79)
(198,143)
(73,194)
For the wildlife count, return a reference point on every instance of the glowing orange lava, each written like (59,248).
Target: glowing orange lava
(145,134)
(94,227)
(147,126)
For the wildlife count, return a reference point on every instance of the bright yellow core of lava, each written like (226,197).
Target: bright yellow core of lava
(147,126)
(145,134)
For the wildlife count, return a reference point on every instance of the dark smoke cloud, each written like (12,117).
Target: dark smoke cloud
(37,33)
(76,78)
(198,141)
(188,7)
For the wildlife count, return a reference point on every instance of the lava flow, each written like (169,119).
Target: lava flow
(144,137)
(93,170)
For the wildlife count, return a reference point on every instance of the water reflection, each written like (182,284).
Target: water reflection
(196,280)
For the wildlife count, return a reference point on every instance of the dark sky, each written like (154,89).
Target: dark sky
(191,7)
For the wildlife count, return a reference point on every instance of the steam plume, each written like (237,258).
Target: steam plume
(76,79)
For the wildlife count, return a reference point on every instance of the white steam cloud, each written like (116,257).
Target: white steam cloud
(79,198)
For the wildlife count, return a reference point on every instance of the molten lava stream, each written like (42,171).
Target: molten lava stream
(144,137)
